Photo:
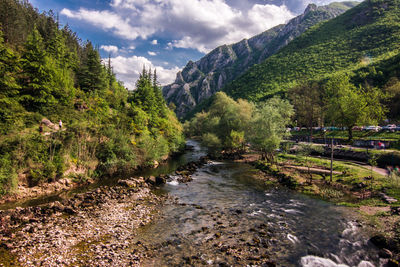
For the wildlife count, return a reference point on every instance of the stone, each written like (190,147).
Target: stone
(160,180)
(127,183)
(385,253)
(379,241)
(151,180)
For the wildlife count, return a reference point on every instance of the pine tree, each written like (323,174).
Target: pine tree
(9,68)
(36,92)
(160,101)
(144,95)
(91,75)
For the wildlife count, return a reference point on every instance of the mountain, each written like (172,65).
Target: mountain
(200,80)
(359,39)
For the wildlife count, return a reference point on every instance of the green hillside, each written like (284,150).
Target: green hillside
(47,75)
(366,35)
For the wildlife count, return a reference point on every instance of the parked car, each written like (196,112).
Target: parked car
(398,128)
(389,128)
(358,128)
(373,128)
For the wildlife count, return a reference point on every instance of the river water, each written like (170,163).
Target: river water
(228,217)
(226,209)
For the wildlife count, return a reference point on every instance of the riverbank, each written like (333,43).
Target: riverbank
(352,186)
(73,178)
(93,228)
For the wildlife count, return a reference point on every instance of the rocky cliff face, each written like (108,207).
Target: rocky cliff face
(200,80)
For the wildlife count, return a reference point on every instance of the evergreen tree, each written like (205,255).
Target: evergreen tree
(160,101)
(91,75)
(9,67)
(36,92)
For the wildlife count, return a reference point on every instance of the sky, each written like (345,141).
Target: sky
(166,34)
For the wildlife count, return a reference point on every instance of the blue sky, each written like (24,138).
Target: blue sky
(166,34)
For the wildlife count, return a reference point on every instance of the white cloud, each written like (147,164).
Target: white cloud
(109,48)
(197,24)
(154,42)
(152,53)
(110,21)
(129,68)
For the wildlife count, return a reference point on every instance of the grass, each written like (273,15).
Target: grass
(351,174)
(357,135)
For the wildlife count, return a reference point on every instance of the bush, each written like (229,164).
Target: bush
(212,142)
(391,159)
(8,176)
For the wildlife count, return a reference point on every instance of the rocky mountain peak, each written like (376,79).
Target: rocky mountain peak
(201,79)
(310,8)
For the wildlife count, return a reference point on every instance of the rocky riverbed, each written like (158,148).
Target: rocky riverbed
(90,229)
(95,228)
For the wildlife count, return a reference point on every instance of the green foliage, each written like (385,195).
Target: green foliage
(91,74)
(212,142)
(366,34)
(8,175)
(307,101)
(226,119)
(229,124)
(268,125)
(349,106)
(235,140)
(46,73)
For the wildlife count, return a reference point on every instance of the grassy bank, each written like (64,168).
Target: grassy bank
(353,185)
(357,135)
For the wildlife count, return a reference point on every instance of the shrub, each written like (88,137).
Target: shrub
(391,159)
(212,142)
(8,176)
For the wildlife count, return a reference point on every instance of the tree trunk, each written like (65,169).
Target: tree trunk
(350,130)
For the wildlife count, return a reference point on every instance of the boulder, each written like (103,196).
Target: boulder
(161,179)
(127,183)
(48,123)
(379,241)
(156,164)
(151,180)
(385,254)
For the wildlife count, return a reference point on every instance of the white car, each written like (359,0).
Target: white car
(389,127)
(373,128)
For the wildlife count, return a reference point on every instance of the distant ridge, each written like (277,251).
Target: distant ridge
(200,80)
(361,37)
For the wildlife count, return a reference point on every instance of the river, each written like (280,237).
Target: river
(228,217)
(226,199)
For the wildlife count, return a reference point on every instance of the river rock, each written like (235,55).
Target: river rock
(151,180)
(385,253)
(395,210)
(161,179)
(127,183)
(387,198)
(379,241)
(155,164)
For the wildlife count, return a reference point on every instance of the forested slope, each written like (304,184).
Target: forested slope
(48,73)
(354,42)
